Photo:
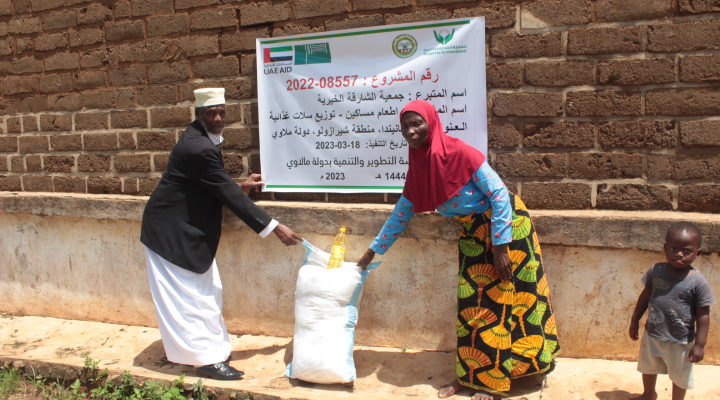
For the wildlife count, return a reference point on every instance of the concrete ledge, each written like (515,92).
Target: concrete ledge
(644,230)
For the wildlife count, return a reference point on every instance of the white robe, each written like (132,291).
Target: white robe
(189,312)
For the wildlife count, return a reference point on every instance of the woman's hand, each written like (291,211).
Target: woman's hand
(253,182)
(366,259)
(501,260)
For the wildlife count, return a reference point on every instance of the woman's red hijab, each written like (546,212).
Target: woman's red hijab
(442,167)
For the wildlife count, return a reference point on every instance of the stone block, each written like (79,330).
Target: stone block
(19,84)
(40,5)
(116,31)
(23,45)
(526,46)
(559,134)
(17,164)
(90,79)
(128,119)
(241,138)
(14,125)
(149,7)
(185,4)
(100,141)
(636,72)
(557,196)
(234,113)
(64,102)
(698,6)
(59,19)
(128,76)
(156,95)
(23,25)
(540,14)
(660,166)
(695,198)
(500,15)
(632,10)
(243,39)
(27,65)
(248,65)
(85,37)
(503,135)
(611,40)
(37,183)
(504,75)
(559,73)
(6,48)
(216,67)
(637,134)
(147,185)
(32,104)
(104,99)
(169,72)
(633,197)
(603,103)
(170,117)
(263,12)
(93,163)
(525,165)
(527,104)
(704,167)
(93,14)
(700,68)
(684,37)
(55,83)
(233,163)
(605,166)
(377,4)
(93,121)
(421,15)
(56,122)
(167,24)
(104,185)
(127,141)
(349,22)
(10,183)
(34,144)
(50,41)
(200,45)
(160,162)
(240,89)
(312,8)
(132,163)
(69,184)
(122,9)
(62,61)
(64,163)
(130,186)
(33,163)
(213,18)
(30,123)
(71,142)
(4,163)
(700,133)
(683,102)
(155,140)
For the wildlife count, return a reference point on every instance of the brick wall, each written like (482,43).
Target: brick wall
(608,104)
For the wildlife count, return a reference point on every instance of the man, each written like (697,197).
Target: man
(181,231)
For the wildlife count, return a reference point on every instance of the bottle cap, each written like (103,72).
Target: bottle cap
(342,229)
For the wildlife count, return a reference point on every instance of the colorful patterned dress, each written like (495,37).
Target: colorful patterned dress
(505,330)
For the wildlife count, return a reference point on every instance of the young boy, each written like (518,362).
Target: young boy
(678,298)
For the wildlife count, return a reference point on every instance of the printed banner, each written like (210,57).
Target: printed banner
(329,103)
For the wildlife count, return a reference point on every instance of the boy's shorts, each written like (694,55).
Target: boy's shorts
(662,357)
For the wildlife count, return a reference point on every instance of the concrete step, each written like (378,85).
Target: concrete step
(57,347)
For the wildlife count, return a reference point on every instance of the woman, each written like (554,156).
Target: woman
(505,324)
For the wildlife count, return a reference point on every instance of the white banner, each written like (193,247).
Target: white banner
(329,103)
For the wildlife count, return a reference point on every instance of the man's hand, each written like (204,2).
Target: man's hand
(501,260)
(634,326)
(253,182)
(366,259)
(286,235)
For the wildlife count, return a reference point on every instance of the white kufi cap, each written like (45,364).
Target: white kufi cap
(207,97)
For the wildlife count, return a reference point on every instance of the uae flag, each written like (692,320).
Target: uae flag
(277,54)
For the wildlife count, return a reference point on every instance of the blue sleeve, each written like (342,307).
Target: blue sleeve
(394,226)
(489,183)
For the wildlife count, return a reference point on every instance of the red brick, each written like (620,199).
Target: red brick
(248,65)
(503,135)
(633,197)
(61,61)
(93,58)
(33,163)
(549,165)
(100,141)
(50,41)
(698,6)
(496,15)
(19,84)
(233,163)
(184,4)
(6,7)
(59,163)
(171,72)
(23,45)
(421,15)
(154,140)
(170,117)
(526,46)
(611,40)
(93,14)
(234,113)
(254,164)
(527,104)
(563,73)
(568,196)
(55,83)
(56,122)
(7,106)
(147,186)
(58,20)
(216,67)
(30,124)
(260,13)
(684,37)
(602,103)
(34,144)
(37,183)
(636,72)
(700,133)
(40,5)
(660,166)
(10,183)
(93,163)
(199,45)
(695,101)
(684,167)
(17,164)
(104,99)
(631,10)
(242,40)
(241,138)
(697,198)
(128,76)
(32,104)
(68,184)
(701,68)
(167,24)
(104,185)
(23,25)
(22,6)
(14,125)
(552,13)
(312,8)
(27,65)
(90,79)
(348,22)
(559,134)
(66,142)
(6,47)
(129,119)
(148,7)
(4,163)
(64,102)
(84,37)
(151,51)
(122,9)
(250,114)
(160,162)
(375,4)
(213,18)
(132,163)
(636,134)
(116,31)
(91,121)
(130,186)
(240,89)
(127,141)
(504,75)
(605,166)
(156,95)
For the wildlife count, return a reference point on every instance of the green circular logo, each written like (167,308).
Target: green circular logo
(404,46)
